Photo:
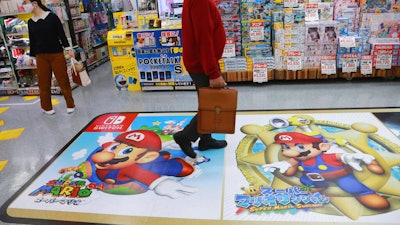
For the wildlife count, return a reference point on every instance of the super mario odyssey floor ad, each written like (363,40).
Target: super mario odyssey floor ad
(283,167)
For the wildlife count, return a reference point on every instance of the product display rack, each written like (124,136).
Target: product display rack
(85,26)
(8,80)
(309,74)
(274,40)
(292,24)
(99,30)
(25,76)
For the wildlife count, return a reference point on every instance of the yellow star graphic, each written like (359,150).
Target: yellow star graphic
(3,109)
(3,164)
(28,98)
(11,134)
(4,98)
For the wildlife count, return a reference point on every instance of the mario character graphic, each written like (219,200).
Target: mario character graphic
(307,155)
(132,164)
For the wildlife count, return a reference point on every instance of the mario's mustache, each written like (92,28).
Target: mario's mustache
(114,161)
(306,153)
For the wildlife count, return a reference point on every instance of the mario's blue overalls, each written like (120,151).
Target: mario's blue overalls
(319,172)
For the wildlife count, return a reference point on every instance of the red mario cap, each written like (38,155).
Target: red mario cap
(295,137)
(141,139)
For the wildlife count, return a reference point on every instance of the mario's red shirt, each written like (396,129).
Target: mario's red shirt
(127,174)
(203,37)
(328,159)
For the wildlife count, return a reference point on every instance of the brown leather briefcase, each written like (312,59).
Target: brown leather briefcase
(217,110)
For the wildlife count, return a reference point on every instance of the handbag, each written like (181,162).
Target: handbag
(79,74)
(217,110)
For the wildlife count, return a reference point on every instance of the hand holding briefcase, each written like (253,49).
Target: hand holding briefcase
(217,110)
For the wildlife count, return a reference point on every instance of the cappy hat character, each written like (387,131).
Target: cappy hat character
(295,137)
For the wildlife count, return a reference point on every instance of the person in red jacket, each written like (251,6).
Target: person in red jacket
(203,42)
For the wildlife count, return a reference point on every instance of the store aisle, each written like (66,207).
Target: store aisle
(43,136)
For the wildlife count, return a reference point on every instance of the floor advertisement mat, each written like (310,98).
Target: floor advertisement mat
(280,167)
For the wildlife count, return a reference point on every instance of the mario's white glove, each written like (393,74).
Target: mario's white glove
(171,188)
(354,160)
(282,166)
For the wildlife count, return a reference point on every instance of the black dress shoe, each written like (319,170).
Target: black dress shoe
(211,144)
(185,144)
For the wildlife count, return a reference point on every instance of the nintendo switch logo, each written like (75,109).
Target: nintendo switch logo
(114,120)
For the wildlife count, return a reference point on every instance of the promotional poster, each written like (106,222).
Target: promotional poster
(282,167)
(159,59)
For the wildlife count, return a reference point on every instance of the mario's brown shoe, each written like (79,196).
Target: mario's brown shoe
(373,201)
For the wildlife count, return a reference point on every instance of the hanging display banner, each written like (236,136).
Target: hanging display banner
(366,64)
(159,59)
(328,65)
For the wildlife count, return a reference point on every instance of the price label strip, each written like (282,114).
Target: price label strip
(311,11)
(349,63)
(260,72)
(383,61)
(256,31)
(328,65)
(290,3)
(347,42)
(229,50)
(366,64)
(294,61)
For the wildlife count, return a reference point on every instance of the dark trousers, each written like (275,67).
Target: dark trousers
(190,131)
(46,64)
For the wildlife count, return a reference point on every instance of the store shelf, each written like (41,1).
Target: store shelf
(97,63)
(99,45)
(8,92)
(157,88)
(309,74)
(26,68)
(81,30)
(6,76)
(9,88)
(20,86)
(17,34)
(35,91)
(17,46)
(185,88)
(13,14)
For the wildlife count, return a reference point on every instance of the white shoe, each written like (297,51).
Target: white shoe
(50,112)
(70,110)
